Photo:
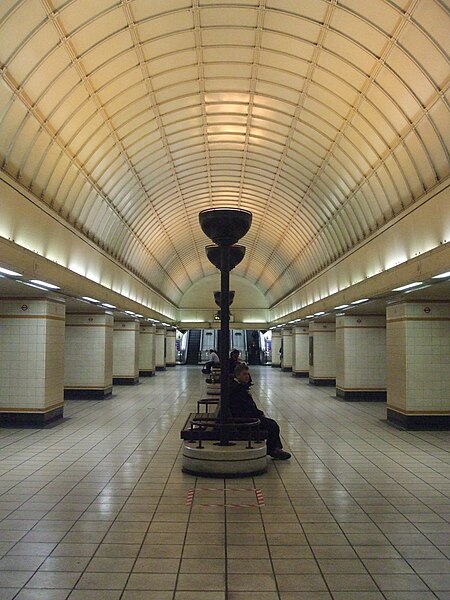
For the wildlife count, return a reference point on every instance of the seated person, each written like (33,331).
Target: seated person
(243,405)
(214,360)
(233,361)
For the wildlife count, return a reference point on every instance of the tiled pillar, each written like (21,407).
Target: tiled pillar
(147,350)
(276,345)
(126,353)
(361,358)
(160,349)
(322,353)
(171,350)
(286,357)
(300,341)
(88,356)
(31,361)
(418,359)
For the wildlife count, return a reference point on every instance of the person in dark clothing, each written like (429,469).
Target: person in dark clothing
(242,405)
(233,361)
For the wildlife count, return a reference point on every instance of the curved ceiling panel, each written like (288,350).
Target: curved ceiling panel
(324,118)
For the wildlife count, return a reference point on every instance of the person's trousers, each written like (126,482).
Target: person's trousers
(273,431)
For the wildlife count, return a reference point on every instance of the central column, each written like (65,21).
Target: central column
(224,414)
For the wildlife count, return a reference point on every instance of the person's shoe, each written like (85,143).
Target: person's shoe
(280,455)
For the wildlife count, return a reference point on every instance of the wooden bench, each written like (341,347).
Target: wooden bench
(203,426)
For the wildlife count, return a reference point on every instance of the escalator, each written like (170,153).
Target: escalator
(193,347)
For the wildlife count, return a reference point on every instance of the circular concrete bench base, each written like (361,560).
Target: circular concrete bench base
(225,461)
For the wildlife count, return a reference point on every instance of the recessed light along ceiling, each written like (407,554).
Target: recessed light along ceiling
(9,272)
(90,299)
(50,286)
(407,286)
(442,275)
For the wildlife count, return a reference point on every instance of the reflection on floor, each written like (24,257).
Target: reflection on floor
(97,507)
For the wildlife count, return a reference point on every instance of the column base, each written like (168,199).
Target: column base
(171,364)
(276,366)
(125,380)
(31,419)
(322,380)
(224,461)
(418,422)
(87,393)
(146,373)
(286,369)
(300,373)
(160,368)
(361,395)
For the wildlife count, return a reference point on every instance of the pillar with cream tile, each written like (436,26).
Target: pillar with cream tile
(88,357)
(171,350)
(300,343)
(126,353)
(361,357)
(322,353)
(160,349)
(31,360)
(146,350)
(418,359)
(286,356)
(276,345)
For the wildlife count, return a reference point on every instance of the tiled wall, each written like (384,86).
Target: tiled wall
(301,350)
(276,344)
(31,354)
(147,348)
(88,352)
(361,353)
(324,336)
(126,349)
(170,347)
(286,361)
(160,353)
(418,350)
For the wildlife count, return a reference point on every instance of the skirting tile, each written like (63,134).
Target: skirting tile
(300,373)
(418,422)
(30,419)
(361,395)
(286,369)
(322,380)
(160,368)
(125,380)
(87,394)
(146,373)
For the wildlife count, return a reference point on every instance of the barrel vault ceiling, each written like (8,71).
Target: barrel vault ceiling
(324,118)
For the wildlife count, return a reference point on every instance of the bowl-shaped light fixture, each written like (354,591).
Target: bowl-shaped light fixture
(225,226)
(218,297)
(237,253)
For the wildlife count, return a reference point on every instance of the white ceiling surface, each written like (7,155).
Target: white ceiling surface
(324,118)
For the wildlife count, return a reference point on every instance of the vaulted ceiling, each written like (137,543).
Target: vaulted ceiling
(325,118)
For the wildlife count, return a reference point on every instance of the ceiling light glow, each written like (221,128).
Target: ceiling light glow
(407,286)
(51,286)
(8,272)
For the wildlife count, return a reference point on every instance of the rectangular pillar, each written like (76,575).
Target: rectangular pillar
(171,350)
(300,341)
(160,349)
(286,355)
(126,353)
(31,361)
(322,353)
(276,346)
(418,359)
(88,357)
(147,350)
(361,358)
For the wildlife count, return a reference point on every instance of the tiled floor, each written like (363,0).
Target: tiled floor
(95,508)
